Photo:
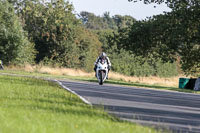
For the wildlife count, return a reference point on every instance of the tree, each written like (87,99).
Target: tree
(106,22)
(173,4)
(91,21)
(57,33)
(174,33)
(14,45)
(123,21)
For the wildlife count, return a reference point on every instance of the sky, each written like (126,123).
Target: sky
(137,10)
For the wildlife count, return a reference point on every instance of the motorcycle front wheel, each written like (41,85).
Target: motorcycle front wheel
(101,76)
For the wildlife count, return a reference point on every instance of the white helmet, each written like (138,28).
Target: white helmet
(103,55)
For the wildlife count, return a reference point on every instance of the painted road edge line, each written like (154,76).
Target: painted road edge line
(83,99)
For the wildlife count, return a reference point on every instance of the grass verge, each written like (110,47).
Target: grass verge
(35,106)
(72,74)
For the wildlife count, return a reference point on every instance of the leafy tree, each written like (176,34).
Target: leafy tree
(57,33)
(123,21)
(109,21)
(173,4)
(105,37)
(106,22)
(91,21)
(89,48)
(14,45)
(50,26)
(173,34)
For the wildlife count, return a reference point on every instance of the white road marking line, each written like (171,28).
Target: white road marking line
(83,99)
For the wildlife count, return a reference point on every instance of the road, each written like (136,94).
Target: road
(176,111)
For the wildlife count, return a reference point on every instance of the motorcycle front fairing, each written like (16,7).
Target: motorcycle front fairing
(102,66)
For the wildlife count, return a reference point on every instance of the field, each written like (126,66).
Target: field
(30,105)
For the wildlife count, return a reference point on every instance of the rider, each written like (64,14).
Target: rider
(105,57)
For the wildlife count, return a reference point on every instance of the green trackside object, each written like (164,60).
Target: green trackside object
(183,82)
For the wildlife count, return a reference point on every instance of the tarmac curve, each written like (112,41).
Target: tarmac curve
(175,111)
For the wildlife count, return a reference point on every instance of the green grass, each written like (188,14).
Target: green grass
(30,105)
(117,82)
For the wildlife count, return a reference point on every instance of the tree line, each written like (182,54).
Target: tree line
(174,36)
(115,41)
(50,33)
(45,32)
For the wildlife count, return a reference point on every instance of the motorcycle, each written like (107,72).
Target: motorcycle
(102,71)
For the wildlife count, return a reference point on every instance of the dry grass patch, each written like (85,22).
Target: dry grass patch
(170,82)
(64,71)
(152,80)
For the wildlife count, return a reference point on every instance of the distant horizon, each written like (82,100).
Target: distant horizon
(138,10)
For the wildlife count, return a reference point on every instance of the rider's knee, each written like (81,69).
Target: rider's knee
(95,68)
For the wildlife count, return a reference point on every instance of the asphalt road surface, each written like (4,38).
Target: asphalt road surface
(175,111)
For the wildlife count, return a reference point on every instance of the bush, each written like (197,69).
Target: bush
(166,69)
(14,45)
(126,63)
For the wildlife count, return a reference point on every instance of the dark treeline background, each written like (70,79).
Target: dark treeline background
(50,33)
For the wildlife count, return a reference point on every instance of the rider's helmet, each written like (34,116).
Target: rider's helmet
(103,55)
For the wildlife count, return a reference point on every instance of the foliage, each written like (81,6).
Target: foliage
(123,21)
(105,37)
(14,45)
(57,33)
(174,4)
(51,26)
(123,61)
(60,39)
(106,22)
(127,63)
(166,69)
(91,21)
(89,48)
(170,36)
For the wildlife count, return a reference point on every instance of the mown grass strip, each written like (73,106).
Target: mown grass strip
(35,106)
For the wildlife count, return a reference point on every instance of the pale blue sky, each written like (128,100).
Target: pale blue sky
(122,7)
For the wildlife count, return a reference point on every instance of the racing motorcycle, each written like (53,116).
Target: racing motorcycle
(102,71)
